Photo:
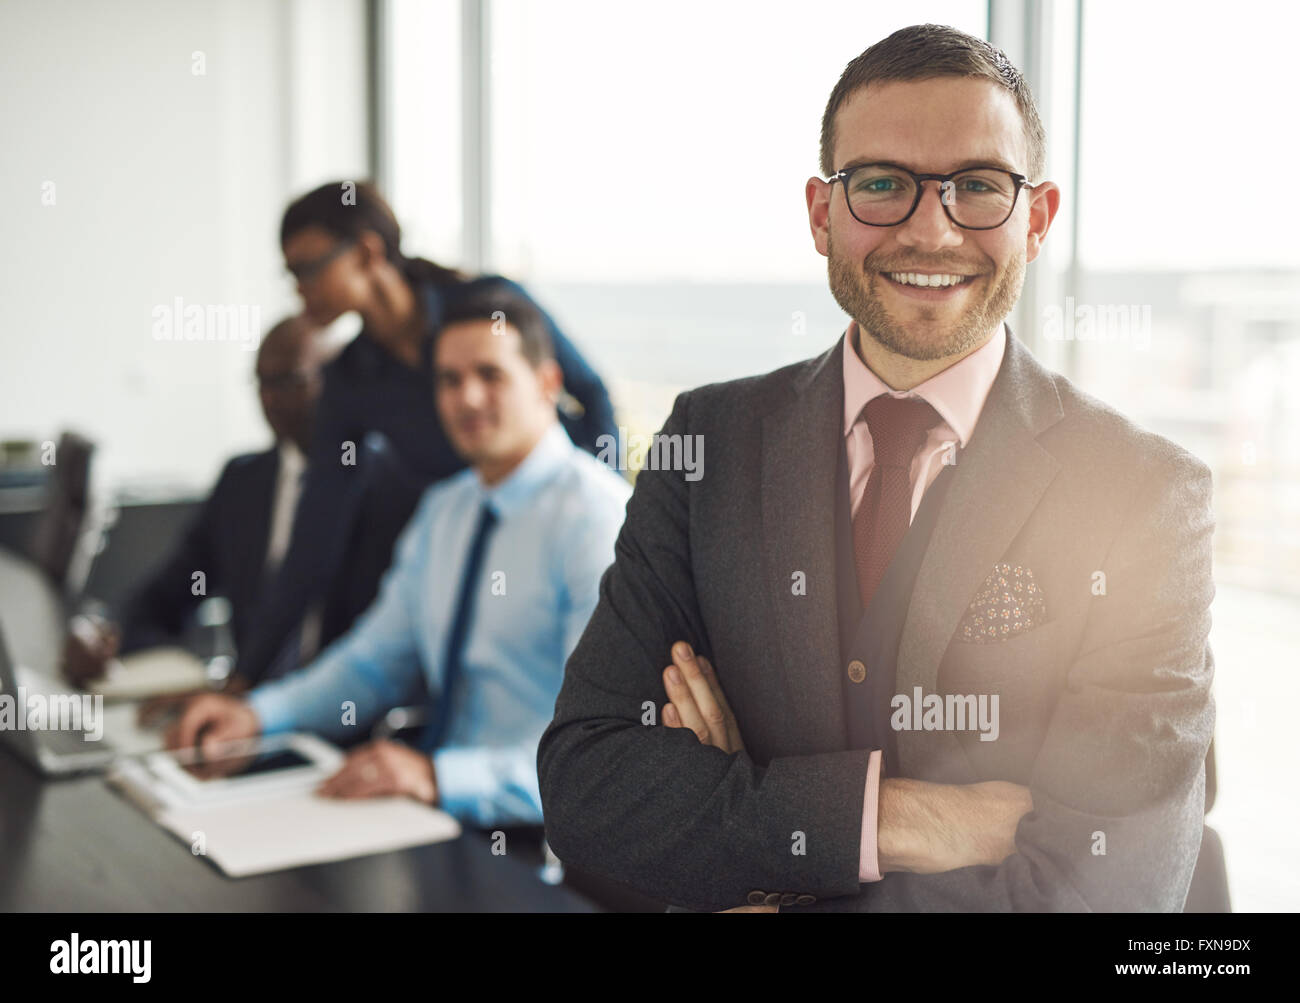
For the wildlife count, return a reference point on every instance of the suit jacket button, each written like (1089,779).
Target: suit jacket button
(805,900)
(789,898)
(773,898)
(757,898)
(857,671)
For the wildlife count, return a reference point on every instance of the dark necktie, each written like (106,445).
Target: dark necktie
(898,427)
(436,731)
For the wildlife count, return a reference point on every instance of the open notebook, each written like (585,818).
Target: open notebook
(273,823)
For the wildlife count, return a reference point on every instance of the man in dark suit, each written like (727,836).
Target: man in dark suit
(945,615)
(240,535)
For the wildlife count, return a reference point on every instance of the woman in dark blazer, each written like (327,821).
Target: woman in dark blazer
(342,244)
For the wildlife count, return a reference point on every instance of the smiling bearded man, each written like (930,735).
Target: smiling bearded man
(922,515)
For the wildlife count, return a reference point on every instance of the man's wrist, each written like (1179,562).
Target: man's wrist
(893,838)
(915,829)
(927,828)
(271,714)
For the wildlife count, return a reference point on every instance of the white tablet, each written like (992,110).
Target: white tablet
(246,768)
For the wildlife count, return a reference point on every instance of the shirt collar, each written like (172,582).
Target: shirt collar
(292,460)
(958,393)
(513,493)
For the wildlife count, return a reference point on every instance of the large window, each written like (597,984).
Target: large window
(648,173)
(1187,234)
(647,166)
(421,116)
(1188,223)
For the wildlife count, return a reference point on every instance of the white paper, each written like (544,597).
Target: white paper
(150,673)
(272,834)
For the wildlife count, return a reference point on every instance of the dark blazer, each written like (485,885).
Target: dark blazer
(1106,711)
(368,390)
(228,539)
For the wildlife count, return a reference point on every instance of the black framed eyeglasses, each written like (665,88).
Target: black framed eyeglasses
(305,271)
(975,198)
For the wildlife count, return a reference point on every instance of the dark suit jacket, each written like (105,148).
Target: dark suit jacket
(226,541)
(1105,714)
(228,538)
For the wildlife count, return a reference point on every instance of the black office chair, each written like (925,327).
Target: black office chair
(63,518)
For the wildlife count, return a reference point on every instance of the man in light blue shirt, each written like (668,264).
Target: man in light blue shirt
(492,583)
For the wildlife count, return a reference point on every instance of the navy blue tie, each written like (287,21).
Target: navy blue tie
(436,731)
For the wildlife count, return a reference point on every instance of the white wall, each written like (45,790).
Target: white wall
(166,184)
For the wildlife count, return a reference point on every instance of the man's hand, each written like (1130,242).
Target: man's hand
(924,828)
(996,808)
(212,719)
(155,712)
(384,768)
(89,645)
(697,701)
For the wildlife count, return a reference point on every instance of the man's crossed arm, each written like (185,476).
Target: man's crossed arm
(923,828)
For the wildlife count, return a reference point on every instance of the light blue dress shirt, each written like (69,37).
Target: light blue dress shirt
(559,513)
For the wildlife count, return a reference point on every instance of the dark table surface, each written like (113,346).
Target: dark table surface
(73,845)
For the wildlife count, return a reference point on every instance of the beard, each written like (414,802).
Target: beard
(858,289)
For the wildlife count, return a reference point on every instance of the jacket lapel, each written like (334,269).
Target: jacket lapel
(999,478)
(800,449)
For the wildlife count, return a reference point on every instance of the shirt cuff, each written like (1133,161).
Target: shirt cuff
(869,860)
(274,713)
(463,777)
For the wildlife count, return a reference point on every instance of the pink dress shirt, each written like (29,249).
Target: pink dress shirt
(957,394)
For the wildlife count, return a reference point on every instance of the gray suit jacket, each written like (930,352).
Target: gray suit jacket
(1105,708)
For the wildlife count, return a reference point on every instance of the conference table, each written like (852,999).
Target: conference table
(75,845)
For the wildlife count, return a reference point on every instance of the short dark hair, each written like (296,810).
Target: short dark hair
(926,51)
(493,300)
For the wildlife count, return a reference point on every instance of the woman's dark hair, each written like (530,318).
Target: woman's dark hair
(349,208)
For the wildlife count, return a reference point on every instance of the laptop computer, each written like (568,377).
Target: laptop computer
(66,728)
